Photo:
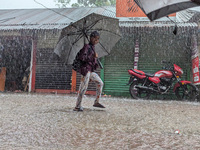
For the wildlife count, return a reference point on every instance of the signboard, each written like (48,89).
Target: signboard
(194,47)
(136,54)
(128,8)
(195,70)
(195,60)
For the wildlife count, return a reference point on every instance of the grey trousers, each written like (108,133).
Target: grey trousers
(90,76)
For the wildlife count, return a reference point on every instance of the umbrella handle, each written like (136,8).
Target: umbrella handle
(99,63)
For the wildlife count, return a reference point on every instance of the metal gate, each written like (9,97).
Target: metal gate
(116,68)
(50,72)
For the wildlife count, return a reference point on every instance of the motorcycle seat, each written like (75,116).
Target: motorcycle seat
(136,72)
(149,75)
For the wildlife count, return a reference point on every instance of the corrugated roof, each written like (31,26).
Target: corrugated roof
(185,16)
(155,24)
(189,15)
(59,18)
(46,18)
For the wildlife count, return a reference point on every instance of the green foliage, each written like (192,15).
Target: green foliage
(85,3)
(62,3)
(95,3)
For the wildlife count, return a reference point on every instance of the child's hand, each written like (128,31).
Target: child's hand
(96,55)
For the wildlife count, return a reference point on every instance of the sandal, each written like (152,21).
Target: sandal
(78,109)
(98,105)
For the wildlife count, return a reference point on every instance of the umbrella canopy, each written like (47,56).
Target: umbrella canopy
(155,9)
(73,37)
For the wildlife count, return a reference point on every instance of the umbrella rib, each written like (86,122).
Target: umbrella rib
(93,24)
(104,48)
(78,38)
(108,31)
(74,33)
(98,21)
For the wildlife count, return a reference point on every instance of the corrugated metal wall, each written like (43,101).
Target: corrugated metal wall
(50,72)
(155,44)
(116,68)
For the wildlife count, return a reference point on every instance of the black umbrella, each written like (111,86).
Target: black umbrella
(74,36)
(155,9)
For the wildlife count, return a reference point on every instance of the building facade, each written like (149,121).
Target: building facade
(29,37)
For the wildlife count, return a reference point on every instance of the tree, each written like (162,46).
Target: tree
(86,3)
(62,3)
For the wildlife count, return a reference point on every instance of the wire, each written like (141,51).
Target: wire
(111,11)
(135,7)
(53,10)
(171,19)
(71,18)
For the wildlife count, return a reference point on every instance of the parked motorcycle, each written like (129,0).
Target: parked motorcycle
(143,85)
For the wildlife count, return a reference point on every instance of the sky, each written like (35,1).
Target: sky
(27,4)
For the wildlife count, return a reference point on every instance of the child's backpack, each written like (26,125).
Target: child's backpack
(77,63)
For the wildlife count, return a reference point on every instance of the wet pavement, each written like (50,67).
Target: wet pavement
(47,121)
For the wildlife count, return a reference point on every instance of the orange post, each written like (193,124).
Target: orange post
(34,66)
(2,78)
(73,83)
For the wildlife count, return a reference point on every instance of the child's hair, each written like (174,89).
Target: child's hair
(94,34)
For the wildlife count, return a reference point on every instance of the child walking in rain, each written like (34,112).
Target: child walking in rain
(89,57)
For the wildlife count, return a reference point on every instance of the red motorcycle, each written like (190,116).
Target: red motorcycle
(142,84)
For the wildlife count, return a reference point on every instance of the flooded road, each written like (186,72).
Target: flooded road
(38,121)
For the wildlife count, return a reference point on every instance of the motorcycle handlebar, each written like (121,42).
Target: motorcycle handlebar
(169,65)
(165,62)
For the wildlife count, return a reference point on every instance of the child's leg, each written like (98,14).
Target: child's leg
(99,85)
(82,88)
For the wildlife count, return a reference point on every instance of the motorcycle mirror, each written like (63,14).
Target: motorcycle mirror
(175,30)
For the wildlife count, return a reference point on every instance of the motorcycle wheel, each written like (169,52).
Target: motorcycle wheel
(137,93)
(187,92)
